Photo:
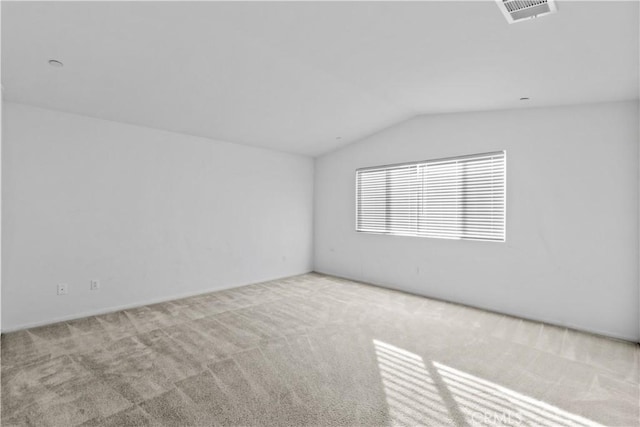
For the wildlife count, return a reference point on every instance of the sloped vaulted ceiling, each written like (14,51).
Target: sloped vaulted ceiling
(307,77)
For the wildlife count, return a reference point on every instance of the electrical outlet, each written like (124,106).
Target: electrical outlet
(63,289)
(95,285)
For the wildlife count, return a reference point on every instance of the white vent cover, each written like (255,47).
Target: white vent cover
(519,10)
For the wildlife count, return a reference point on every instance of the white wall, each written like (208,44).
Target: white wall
(1,149)
(571,255)
(152,214)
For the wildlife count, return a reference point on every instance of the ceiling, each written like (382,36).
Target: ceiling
(308,77)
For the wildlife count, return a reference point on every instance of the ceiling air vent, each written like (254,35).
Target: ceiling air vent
(519,10)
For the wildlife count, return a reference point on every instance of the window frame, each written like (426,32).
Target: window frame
(432,161)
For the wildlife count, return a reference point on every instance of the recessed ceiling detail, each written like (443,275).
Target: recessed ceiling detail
(55,63)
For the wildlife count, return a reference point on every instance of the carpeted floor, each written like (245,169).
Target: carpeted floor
(314,350)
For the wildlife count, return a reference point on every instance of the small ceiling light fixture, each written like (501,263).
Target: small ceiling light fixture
(521,10)
(524,99)
(56,63)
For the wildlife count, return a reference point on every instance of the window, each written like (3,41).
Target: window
(453,198)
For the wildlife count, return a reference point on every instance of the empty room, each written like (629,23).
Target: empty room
(320,213)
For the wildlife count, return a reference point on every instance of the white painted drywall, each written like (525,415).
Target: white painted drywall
(152,214)
(571,255)
(1,149)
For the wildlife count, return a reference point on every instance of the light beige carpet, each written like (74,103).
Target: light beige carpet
(314,350)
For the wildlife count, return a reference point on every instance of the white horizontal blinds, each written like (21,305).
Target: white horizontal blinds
(371,200)
(483,197)
(457,198)
(387,200)
(464,198)
(402,200)
(441,201)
